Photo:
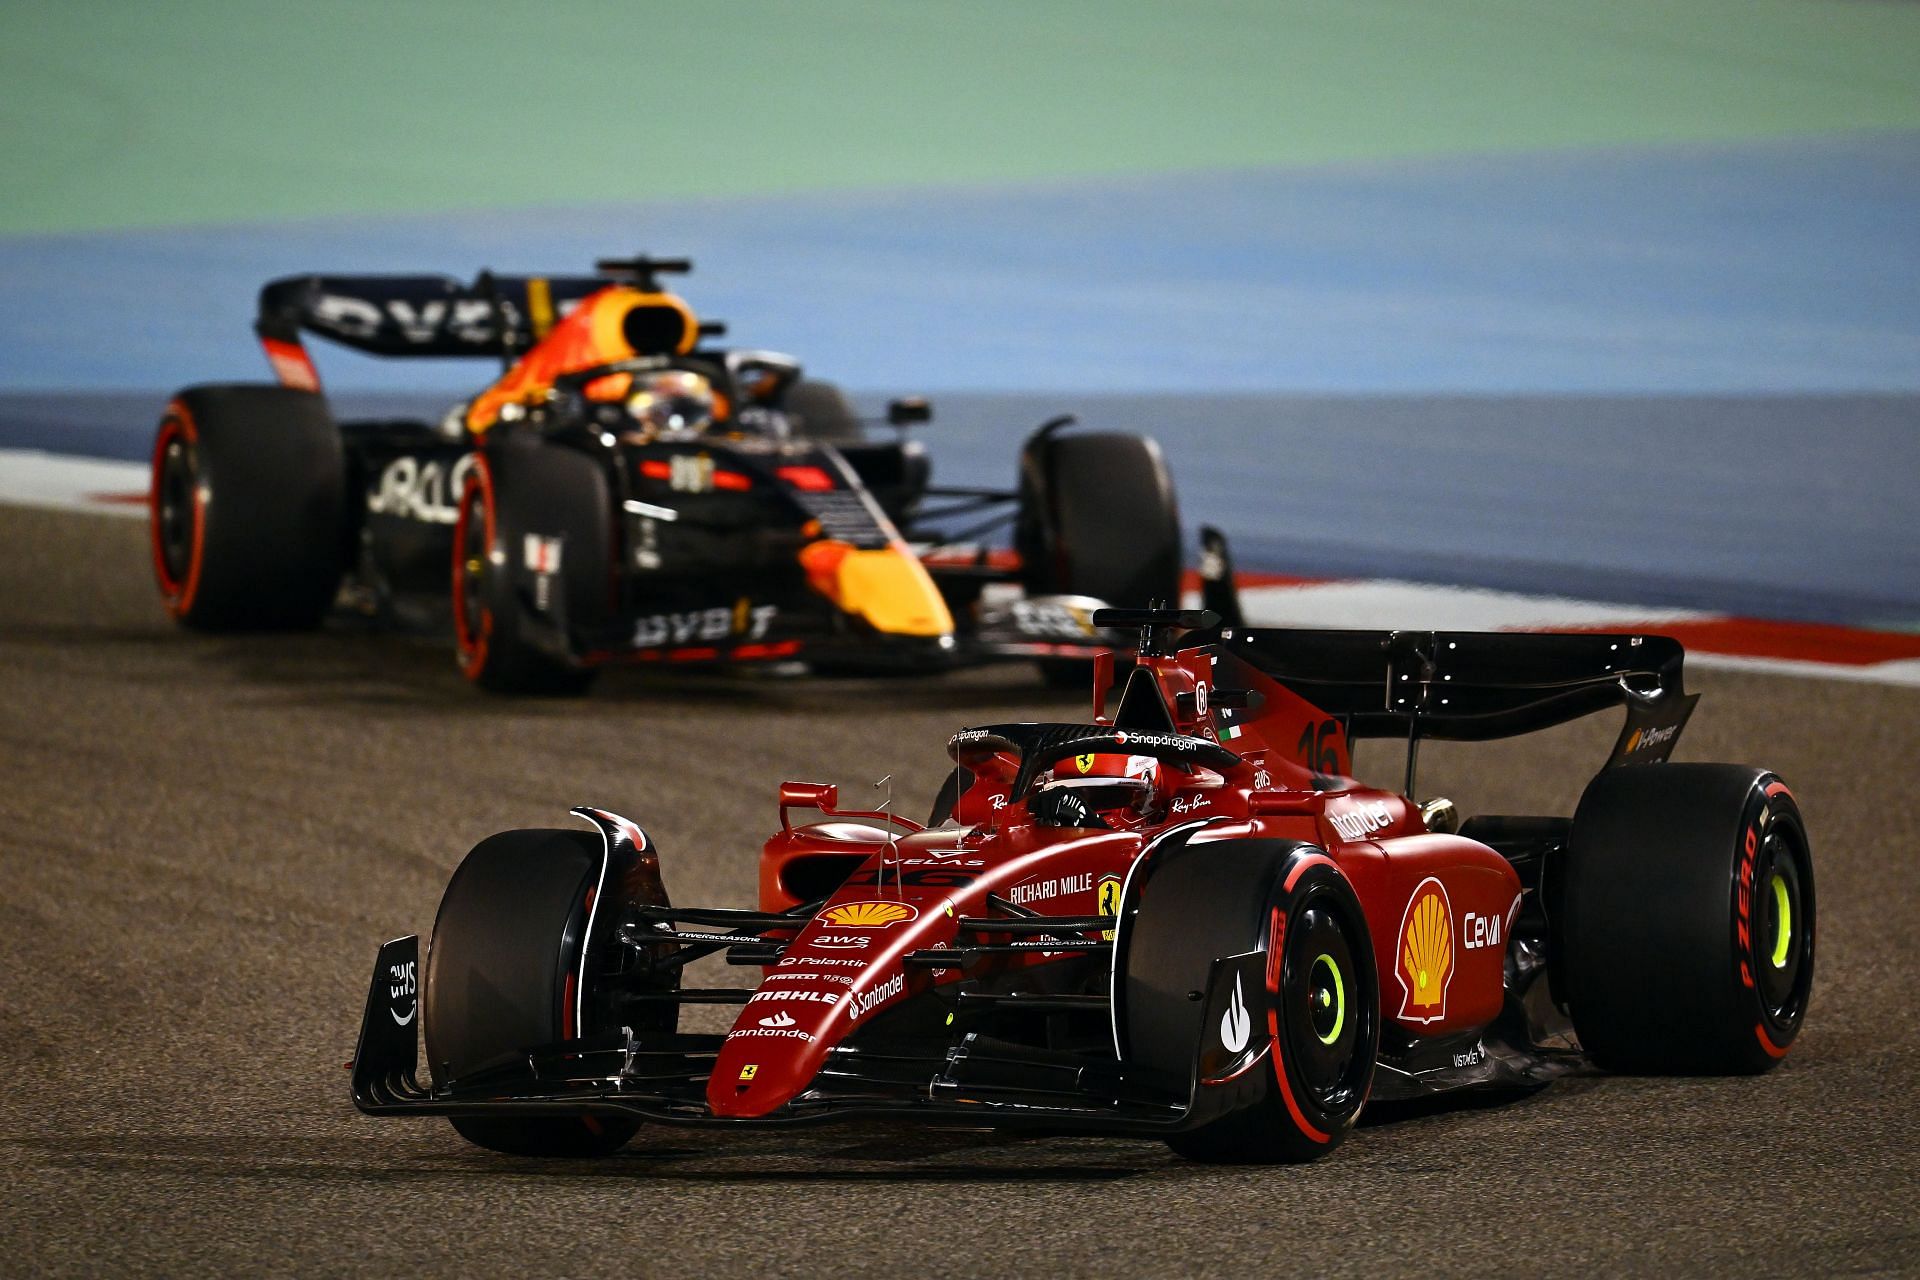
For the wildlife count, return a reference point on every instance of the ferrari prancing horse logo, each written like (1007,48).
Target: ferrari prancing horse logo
(1084,762)
(1109,899)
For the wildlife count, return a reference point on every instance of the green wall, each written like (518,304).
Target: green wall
(125,115)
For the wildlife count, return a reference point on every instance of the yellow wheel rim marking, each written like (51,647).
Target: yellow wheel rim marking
(1339,998)
(1783,909)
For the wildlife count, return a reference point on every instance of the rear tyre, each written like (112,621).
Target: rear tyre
(1687,926)
(822,412)
(248,507)
(1318,1016)
(506,946)
(489,626)
(1098,517)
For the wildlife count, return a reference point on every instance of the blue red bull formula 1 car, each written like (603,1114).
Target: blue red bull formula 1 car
(1182,918)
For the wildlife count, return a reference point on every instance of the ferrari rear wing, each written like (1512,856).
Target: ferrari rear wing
(1472,686)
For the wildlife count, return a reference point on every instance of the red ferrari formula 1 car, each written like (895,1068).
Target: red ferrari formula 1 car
(1183,919)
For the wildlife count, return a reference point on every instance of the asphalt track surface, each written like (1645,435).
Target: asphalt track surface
(203,840)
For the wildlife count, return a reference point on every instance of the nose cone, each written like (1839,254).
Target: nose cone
(772,1053)
(887,586)
(843,968)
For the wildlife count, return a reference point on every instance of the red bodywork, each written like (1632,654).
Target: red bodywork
(1439,907)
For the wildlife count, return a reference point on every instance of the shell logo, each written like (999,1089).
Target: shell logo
(1426,953)
(868,915)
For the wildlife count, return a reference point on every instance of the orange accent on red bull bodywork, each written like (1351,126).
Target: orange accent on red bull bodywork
(615,386)
(821,560)
(291,364)
(593,333)
(886,586)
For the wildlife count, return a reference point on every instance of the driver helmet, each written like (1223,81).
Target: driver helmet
(1106,783)
(672,401)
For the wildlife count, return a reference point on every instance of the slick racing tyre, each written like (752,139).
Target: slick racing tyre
(1687,920)
(501,979)
(247,508)
(821,412)
(1295,1045)
(518,500)
(1098,518)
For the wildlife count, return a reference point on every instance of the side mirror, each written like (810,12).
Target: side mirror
(909,411)
(806,795)
(809,795)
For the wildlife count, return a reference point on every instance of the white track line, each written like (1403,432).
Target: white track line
(31,478)
(1904,672)
(1386,604)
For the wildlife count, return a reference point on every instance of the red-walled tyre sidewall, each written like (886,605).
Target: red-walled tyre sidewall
(1674,954)
(513,492)
(1206,903)
(247,508)
(501,978)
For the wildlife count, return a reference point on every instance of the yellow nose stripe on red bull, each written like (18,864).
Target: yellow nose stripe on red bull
(887,586)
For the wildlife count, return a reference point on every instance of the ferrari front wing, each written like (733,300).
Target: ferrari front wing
(662,1078)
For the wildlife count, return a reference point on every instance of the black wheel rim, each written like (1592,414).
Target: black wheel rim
(1328,1030)
(473,551)
(174,510)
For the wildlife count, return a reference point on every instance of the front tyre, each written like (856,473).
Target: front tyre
(502,978)
(488,627)
(1687,934)
(1318,1016)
